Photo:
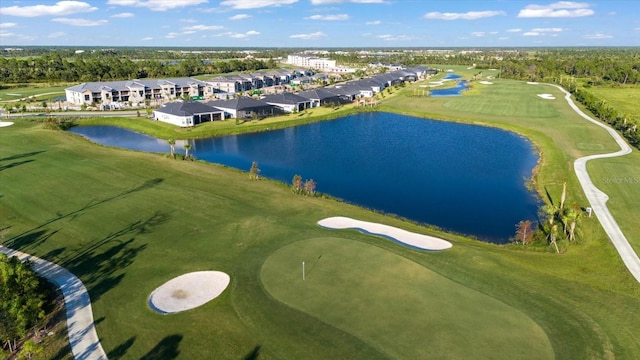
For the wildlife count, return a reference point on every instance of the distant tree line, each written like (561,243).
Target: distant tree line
(52,67)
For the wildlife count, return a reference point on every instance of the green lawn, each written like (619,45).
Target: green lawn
(623,99)
(620,179)
(394,304)
(17,93)
(126,222)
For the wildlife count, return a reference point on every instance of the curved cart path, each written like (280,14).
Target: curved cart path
(83,338)
(598,199)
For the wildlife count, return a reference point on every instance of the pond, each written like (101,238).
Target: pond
(453,91)
(462,178)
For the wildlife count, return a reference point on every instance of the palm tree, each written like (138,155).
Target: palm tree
(187,147)
(571,215)
(553,236)
(172,144)
(564,195)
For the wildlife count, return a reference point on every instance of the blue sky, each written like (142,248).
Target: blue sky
(319,23)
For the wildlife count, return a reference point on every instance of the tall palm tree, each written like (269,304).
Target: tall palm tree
(172,144)
(564,195)
(553,235)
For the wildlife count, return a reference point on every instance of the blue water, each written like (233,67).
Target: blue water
(452,76)
(454,91)
(462,178)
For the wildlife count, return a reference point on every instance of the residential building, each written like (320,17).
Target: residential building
(288,102)
(117,93)
(244,108)
(313,62)
(187,113)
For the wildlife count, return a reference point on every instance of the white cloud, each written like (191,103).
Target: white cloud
(503,38)
(148,38)
(597,36)
(123,15)
(56,34)
(171,35)
(514,30)
(543,32)
(80,22)
(239,17)
(7,25)
(471,15)
(244,35)
(59,8)
(478,34)
(157,5)
(388,37)
(374,22)
(337,17)
(561,9)
(255,4)
(17,37)
(322,2)
(194,28)
(311,36)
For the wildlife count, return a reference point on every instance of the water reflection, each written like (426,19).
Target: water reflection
(462,178)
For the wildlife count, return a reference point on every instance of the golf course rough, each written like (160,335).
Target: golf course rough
(396,305)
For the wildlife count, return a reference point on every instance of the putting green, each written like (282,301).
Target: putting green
(395,305)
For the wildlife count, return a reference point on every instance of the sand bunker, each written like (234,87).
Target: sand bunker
(5,123)
(188,291)
(532,83)
(486,82)
(547,96)
(412,239)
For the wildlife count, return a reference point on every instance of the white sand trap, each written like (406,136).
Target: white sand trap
(547,96)
(188,291)
(486,82)
(5,123)
(412,239)
(449,70)
(532,83)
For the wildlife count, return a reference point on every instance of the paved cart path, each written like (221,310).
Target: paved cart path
(83,338)
(598,199)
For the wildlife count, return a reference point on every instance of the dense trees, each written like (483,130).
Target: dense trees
(23,298)
(52,67)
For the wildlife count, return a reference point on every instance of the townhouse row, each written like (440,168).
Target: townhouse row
(118,93)
(191,113)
